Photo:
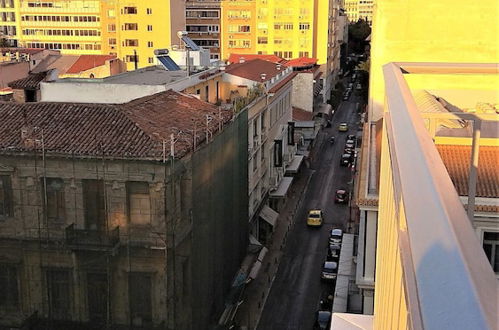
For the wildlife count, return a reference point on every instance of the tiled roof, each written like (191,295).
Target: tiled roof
(235,58)
(457,160)
(132,130)
(301,62)
(302,115)
(29,51)
(282,83)
(253,69)
(32,81)
(87,62)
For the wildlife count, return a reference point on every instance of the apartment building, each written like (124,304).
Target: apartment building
(203,23)
(130,30)
(105,230)
(359,9)
(288,29)
(264,88)
(425,39)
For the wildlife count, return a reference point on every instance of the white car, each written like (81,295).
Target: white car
(330,270)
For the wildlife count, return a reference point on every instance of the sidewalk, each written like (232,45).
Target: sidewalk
(249,313)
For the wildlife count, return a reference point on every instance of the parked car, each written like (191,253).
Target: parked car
(333,252)
(358,87)
(350,144)
(329,270)
(336,236)
(350,85)
(341,196)
(351,137)
(323,320)
(346,159)
(343,127)
(314,218)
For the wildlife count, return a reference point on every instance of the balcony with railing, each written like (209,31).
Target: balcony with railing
(92,239)
(431,269)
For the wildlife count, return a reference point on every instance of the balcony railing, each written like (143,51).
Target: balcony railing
(92,239)
(432,272)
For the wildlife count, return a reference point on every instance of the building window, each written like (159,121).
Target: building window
(111,27)
(132,58)
(97,296)
(6,204)
(54,197)
(9,288)
(207,93)
(131,43)
(58,294)
(263,40)
(149,11)
(112,41)
(111,13)
(94,204)
(130,27)
(491,247)
(130,10)
(150,44)
(139,203)
(150,60)
(140,285)
(149,28)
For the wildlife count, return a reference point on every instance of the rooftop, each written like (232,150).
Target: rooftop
(71,64)
(87,62)
(253,69)
(136,129)
(29,51)
(301,62)
(32,81)
(236,58)
(456,159)
(151,75)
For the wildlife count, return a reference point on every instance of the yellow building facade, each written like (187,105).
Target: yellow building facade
(129,29)
(288,29)
(359,9)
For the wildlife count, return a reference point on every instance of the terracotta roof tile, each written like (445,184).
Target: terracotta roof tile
(457,160)
(132,130)
(301,62)
(87,62)
(253,69)
(32,81)
(235,58)
(302,115)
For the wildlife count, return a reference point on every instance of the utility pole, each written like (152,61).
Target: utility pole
(135,59)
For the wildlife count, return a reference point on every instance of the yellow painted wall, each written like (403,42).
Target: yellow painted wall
(165,17)
(264,16)
(212,89)
(430,31)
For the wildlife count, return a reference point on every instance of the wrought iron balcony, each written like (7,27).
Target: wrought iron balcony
(90,239)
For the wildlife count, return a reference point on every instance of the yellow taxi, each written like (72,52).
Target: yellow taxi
(343,127)
(314,218)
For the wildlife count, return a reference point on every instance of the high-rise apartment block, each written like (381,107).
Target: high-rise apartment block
(202,21)
(359,9)
(288,29)
(131,30)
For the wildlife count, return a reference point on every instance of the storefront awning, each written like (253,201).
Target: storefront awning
(295,164)
(283,188)
(269,215)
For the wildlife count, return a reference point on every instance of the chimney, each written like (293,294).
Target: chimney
(242,60)
(263,76)
(278,67)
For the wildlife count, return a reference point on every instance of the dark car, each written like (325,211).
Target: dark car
(341,196)
(323,319)
(329,270)
(333,252)
(346,159)
(349,144)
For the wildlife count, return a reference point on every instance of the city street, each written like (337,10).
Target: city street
(297,288)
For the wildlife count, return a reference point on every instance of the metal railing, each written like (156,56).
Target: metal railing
(432,272)
(92,237)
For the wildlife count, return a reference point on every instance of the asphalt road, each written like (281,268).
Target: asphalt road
(297,288)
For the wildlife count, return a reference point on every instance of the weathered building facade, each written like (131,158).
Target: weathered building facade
(110,215)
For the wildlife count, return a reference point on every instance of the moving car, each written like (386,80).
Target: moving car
(341,196)
(336,236)
(314,218)
(323,319)
(343,127)
(329,270)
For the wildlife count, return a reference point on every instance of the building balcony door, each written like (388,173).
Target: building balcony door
(97,297)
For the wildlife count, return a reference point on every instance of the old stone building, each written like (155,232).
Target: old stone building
(131,215)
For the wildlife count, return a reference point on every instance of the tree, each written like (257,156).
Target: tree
(357,34)
(364,66)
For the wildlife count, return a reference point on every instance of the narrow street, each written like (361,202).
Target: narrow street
(297,288)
